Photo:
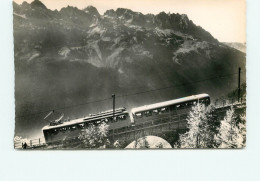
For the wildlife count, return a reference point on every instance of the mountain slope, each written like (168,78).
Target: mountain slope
(72,56)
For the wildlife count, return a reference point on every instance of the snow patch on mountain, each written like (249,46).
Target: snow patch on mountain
(120,71)
(168,33)
(20,15)
(135,27)
(95,23)
(95,61)
(141,51)
(105,38)
(189,46)
(113,59)
(95,46)
(96,30)
(163,33)
(34,54)
(130,20)
(64,51)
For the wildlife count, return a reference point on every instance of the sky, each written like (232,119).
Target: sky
(224,19)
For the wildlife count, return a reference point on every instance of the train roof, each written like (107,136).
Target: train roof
(168,103)
(85,119)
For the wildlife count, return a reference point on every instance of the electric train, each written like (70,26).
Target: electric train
(121,119)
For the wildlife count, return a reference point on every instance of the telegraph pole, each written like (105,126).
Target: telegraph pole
(238,94)
(114,102)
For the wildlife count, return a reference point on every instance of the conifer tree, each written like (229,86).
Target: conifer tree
(202,125)
(231,133)
(95,136)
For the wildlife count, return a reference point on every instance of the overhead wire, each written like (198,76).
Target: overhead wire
(126,95)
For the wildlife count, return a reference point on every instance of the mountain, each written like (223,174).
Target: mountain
(73,56)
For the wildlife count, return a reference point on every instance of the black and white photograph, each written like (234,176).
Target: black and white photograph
(139,74)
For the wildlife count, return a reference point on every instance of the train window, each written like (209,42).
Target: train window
(189,104)
(203,101)
(63,129)
(139,115)
(81,126)
(122,117)
(109,119)
(183,106)
(86,125)
(72,128)
(155,111)
(55,131)
(207,100)
(164,109)
(148,113)
(112,119)
(116,118)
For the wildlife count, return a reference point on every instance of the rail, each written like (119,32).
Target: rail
(220,103)
(30,144)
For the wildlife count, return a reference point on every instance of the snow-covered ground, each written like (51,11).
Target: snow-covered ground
(149,142)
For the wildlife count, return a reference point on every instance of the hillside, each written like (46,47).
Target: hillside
(239,46)
(73,56)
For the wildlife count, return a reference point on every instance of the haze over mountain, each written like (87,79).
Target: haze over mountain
(239,46)
(72,56)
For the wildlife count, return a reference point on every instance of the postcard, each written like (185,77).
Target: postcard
(139,74)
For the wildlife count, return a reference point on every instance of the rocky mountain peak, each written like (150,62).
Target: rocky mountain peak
(38,4)
(127,13)
(25,5)
(16,7)
(91,10)
(121,16)
(71,11)
(110,12)
(121,11)
(184,21)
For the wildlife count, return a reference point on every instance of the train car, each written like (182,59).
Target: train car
(121,120)
(167,109)
(71,129)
